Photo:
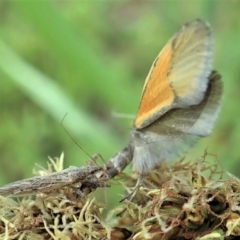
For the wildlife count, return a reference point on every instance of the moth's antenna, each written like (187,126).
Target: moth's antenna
(74,139)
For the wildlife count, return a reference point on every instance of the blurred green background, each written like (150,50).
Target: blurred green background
(90,59)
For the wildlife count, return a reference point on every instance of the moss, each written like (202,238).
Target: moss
(179,201)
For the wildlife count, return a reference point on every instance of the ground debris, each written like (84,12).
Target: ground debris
(183,200)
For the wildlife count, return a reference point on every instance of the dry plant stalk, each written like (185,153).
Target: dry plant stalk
(179,201)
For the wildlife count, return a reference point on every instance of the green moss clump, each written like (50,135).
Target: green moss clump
(179,201)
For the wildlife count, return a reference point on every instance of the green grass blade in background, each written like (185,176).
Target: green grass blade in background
(52,99)
(93,72)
